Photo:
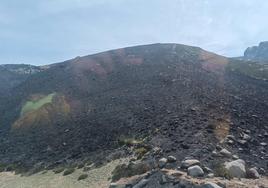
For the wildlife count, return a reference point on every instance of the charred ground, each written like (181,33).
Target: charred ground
(182,99)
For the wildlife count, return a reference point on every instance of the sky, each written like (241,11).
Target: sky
(49,31)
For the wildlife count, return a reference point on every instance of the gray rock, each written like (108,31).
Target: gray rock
(210,185)
(189,162)
(235,157)
(253,173)
(210,175)
(246,137)
(162,162)
(115,185)
(236,168)
(215,154)
(171,159)
(141,184)
(195,171)
(226,153)
(263,144)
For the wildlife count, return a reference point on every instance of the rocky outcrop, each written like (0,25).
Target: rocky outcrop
(257,53)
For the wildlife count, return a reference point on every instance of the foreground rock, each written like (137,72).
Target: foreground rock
(168,178)
(162,162)
(210,185)
(189,162)
(253,173)
(236,168)
(195,171)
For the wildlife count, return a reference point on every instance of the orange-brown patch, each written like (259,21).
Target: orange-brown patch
(213,62)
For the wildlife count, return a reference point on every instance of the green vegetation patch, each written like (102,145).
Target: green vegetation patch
(68,171)
(82,177)
(58,170)
(35,105)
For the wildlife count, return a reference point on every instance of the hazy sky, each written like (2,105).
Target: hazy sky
(48,31)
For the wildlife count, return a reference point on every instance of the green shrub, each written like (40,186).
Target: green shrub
(58,170)
(221,171)
(140,152)
(128,141)
(68,171)
(82,177)
(132,169)
(81,165)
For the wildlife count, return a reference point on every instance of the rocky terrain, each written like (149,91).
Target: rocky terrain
(12,75)
(257,53)
(159,105)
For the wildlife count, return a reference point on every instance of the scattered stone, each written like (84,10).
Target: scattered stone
(235,157)
(246,137)
(162,162)
(115,185)
(189,162)
(195,171)
(156,151)
(231,137)
(236,168)
(242,142)
(210,185)
(215,154)
(263,144)
(210,175)
(253,173)
(230,142)
(171,159)
(226,153)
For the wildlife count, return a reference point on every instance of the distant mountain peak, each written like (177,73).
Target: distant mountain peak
(257,53)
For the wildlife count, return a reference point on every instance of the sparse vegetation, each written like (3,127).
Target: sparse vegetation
(131,169)
(58,170)
(81,165)
(221,171)
(128,141)
(140,152)
(68,171)
(82,177)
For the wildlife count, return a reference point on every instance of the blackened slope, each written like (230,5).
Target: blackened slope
(180,97)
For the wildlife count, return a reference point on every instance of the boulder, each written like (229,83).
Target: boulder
(226,153)
(189,162)
(171,159)
(195,171)
(236,168)
(253,173)
(162,162)
(210,185)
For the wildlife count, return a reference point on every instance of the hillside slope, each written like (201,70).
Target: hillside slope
(182,99)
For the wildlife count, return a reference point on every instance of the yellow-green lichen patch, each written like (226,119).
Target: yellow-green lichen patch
(33,105)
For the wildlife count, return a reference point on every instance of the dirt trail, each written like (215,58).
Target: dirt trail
(98,177)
